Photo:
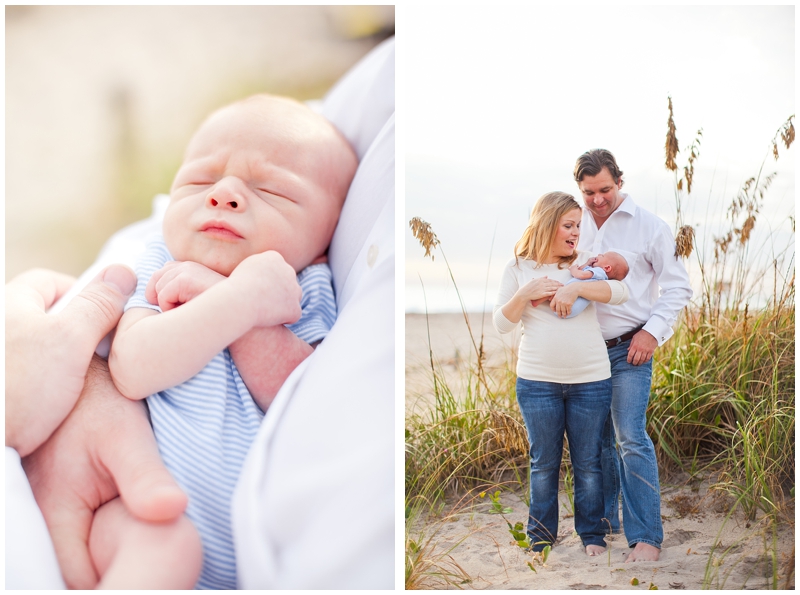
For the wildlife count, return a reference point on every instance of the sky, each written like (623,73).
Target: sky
(501,100)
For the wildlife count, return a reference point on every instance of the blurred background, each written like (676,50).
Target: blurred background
(101,101)
(501,101)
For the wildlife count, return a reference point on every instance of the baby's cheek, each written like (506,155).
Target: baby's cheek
(175,241)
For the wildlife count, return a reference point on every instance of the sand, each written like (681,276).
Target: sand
(476,551)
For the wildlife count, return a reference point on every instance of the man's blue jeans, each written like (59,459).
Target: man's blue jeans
(549,409)
(634,467)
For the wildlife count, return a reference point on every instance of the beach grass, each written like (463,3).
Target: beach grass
(722,403)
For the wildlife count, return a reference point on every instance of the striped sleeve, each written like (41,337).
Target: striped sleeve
(318,304)
(154,258)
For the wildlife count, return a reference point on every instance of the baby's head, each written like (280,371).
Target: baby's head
(264,173)
(614,264)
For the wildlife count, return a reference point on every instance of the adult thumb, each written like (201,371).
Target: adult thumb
(94,311)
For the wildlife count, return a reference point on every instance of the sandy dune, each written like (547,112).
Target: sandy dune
(700,546)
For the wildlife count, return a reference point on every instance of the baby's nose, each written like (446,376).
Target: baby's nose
(233,204)
(225,194)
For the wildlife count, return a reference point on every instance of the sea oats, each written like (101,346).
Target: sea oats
(684,241)
(747,228)
(671,145)
(786,133)
(694,153)
(424,234)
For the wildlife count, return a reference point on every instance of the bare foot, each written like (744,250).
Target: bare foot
(643,552)
(594,550)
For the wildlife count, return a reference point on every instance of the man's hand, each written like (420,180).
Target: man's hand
(47,355)
(642,347)
(271,287)
(179,282)
(103,449)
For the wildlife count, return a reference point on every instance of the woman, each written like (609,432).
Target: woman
(563,372)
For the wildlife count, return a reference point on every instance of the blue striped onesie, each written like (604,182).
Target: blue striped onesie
(204,427)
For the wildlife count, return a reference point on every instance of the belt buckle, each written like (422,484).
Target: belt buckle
(613,342)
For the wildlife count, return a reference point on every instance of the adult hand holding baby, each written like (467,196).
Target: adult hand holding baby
(38,396)
(105,448)
(563,299)
(50,367)
(534,292)
(561,303)
(537,289)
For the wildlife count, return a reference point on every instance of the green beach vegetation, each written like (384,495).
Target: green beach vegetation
(722,406)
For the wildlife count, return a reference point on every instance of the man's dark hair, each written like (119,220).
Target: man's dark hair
(592,162)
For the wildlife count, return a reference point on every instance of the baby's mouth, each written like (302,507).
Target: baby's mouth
(221,229)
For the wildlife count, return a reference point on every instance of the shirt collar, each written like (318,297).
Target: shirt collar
(626,206)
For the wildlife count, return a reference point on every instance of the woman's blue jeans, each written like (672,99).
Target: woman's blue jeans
(549,409)
(634,467)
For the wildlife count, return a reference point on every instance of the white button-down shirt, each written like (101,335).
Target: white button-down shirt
(658,281)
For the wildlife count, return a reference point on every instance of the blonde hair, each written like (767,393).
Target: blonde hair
(537,240)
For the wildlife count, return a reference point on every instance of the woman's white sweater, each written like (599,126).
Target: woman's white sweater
(553,349)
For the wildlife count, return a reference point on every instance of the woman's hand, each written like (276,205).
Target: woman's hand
(538,289)
(535,289)
(561,302)
(596,291)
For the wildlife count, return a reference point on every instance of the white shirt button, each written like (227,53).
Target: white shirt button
(372,255)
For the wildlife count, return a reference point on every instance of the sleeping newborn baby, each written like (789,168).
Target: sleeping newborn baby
(609,265)
(233,296)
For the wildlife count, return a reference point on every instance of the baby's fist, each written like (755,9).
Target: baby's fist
(179,282)
(271,288)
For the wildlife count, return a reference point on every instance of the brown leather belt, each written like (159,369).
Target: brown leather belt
(622,338)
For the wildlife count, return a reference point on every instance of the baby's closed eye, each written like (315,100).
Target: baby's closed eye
(275,192)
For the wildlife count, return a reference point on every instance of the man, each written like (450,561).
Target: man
(612,221)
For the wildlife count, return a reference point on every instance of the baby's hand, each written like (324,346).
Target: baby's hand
(179,282)
(578,272)
(271,288)
(536,303)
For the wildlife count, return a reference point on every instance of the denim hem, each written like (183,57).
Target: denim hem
(631,545)
(594,541)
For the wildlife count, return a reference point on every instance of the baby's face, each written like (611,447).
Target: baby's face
(612,263)
(262,174)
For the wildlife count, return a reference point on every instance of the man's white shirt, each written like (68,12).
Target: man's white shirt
(658,281)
